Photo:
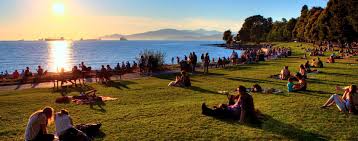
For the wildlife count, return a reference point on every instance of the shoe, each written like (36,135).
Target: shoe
(323,107)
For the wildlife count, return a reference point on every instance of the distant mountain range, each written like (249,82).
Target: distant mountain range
(169,34)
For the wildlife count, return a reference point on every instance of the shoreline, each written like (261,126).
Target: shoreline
(236,46)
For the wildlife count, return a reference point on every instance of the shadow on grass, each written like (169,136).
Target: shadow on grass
(339,74)
(100,108)
(315,93)
(243,67)
(100,136)
(198,89)
(167,76)
(347,63)
(287,130)
(269,124)
(121,84)
(209,74)
(327,82)
(253,80)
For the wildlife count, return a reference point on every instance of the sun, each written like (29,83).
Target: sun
(58,9)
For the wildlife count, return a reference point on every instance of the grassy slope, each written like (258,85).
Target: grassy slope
(149,110)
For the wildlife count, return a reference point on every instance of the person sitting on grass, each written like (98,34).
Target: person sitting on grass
(317,63)
(303,71)
(302,84)
(243,108)
(285,73)
(176,83)
(330,59)
(65,129)
(290,85)
(304,56)
(36,129)
(347,102)
(185,79)
(307,67)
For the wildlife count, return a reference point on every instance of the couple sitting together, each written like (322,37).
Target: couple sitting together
(36,129)
(300,86)
(347,103)
(239,107)
(182,80)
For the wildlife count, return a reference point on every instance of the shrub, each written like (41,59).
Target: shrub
(158,58)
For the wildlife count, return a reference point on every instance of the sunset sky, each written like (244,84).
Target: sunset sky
(73,19)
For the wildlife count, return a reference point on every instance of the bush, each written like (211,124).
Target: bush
(158,58)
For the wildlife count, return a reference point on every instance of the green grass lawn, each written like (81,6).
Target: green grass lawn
(147,109)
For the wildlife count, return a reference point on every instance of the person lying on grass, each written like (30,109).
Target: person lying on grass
(36,129)
(256,88)
(347,102)
(242,109)
(285,73)
(65,129)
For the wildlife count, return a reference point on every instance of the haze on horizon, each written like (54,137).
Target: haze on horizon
(74,19)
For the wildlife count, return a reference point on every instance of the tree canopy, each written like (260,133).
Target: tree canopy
(337,22)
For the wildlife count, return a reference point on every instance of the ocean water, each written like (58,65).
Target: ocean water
(56,54)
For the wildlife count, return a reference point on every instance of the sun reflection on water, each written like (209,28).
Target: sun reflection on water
(60,55)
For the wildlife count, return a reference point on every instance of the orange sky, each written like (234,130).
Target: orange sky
(34,19)
(39,20)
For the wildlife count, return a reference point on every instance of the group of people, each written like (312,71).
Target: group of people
(300,76)
(147,64)
(24,75)
(345,49)
(348,102)
(188,64)
(36,129)
(239,106)
(77,73)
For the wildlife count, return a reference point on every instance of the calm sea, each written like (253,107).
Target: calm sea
(57,54)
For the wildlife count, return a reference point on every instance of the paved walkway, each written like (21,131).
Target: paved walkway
(129,76)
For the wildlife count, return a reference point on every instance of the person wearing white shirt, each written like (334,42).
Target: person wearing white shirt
(65,129)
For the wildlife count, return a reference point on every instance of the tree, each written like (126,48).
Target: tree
(341,21)
(337,22)
(299,30)
(227,37)
(255,29)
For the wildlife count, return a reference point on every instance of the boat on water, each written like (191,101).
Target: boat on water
(123,39)
(55,39)
(99,39)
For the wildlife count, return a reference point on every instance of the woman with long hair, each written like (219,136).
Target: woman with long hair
(36,129)
(345,103)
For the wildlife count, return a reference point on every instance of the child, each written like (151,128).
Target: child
(290,85)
